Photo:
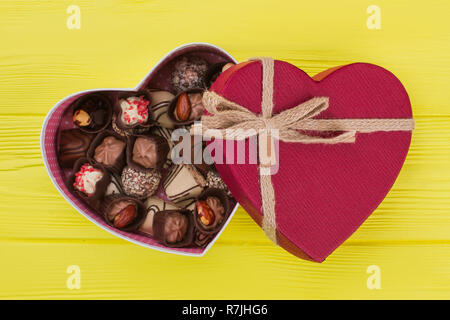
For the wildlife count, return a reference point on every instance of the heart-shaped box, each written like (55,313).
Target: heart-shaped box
(323,192)
(56,119)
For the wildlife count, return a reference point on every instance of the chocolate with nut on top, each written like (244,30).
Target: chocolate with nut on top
(188,107)
(211,210)
(123,212)
(189,72)
(173,228)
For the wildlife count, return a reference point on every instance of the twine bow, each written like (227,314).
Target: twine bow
(231,121)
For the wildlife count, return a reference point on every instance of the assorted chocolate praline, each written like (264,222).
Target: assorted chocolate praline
(92,112)
(140,184)
(119,154)
(211,210)
(145,152)
(122,212)
(108,148)
(73,144)
(132,113)
(189,72)
(89,181)
(187,107)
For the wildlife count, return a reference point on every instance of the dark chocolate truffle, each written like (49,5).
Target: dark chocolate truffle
(189,72)
(139,183)
(73,144)
(109,150)
(175,227)
(188,107)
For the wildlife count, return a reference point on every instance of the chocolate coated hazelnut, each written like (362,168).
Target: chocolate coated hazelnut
(81,118)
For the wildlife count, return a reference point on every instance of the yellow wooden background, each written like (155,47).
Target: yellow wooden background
(42,61)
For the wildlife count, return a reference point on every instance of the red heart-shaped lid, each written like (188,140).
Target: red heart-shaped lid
(323,192)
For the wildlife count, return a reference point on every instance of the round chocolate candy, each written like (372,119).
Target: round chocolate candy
(89,181)
(140,184)
(173,228)
(189,72)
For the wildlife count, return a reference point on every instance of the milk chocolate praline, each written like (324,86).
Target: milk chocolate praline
(109,149)
(173,228)
(100,186)
(147,152)
(117,213)
(92,112)
(73,144)
(135,122)
(216,195)
(192,112)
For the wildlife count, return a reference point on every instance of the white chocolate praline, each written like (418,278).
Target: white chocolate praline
(159,105)
(134,110)
(87,178)
(147,226)
(113,187)
(183,183)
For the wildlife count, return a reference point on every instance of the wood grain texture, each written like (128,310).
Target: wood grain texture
(42,61)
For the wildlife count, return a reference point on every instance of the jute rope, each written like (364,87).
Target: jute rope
(231,121)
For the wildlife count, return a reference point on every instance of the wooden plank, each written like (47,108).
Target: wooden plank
(237,270)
